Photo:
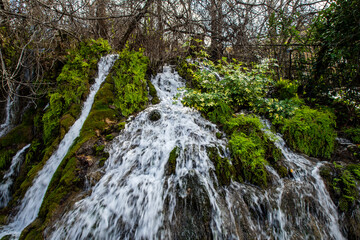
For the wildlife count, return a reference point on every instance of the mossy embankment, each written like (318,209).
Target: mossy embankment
(222,89)
(124,92)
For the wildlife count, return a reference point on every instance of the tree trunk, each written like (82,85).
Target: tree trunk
(216,29)
(133,24)
(101,23)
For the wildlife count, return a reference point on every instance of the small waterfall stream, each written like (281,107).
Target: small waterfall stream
(137,198)
(32,200)
(9,176)
(296,207)
(129,201)
(10,112)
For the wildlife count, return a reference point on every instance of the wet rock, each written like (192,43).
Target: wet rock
(87,148)
(154,115)
(192,213)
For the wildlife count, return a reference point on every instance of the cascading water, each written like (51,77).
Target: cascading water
(9,176)
(139,197)
(32,200)
(297,207)
(10,112)
(129,201)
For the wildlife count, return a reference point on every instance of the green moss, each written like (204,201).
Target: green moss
(121,125)
(174,154)
(65,123)
(99,149)
(152,92)
(130,84)
(249,158)
(73,84)
(109,137)
(5,158)
(285,89)
(345,184)
(224,170)
(353,134)
(251,149)
(97,120)
(102,161)
(311,132)
(21,134)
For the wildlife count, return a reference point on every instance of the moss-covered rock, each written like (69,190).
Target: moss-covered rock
(87,153)
(224,170)
(152,92)
(72,84)
(311,132)
(171,165)
(251,149)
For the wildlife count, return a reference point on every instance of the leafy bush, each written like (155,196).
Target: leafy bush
(311,132)
(278,110)
(353,134)
(285,89)
(344,184)
(238,87)
(130,83)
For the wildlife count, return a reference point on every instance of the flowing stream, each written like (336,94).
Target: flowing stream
(8,179)
(295,207)
(32,200)
(139,197)
(10,113)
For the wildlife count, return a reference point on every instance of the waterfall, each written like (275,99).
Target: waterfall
(298,206)
(32,200)
(140,197)
(10,113)
(9,176)
(129,200)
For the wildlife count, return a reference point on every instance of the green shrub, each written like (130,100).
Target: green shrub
(285,89)
(130,84)
(311,132)
(353,134)
(345,185)
(277,110)
(238,88)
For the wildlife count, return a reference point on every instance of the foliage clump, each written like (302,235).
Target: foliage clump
(174,154)
(224,169)
(226,87)
(251,149)
(353,133)
(345,185)
(311,132)
(129,77)
(285,89)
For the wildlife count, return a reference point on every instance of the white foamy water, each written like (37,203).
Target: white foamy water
(137,198)
(129,201)
(32,200)
(8,180)
(10,112)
